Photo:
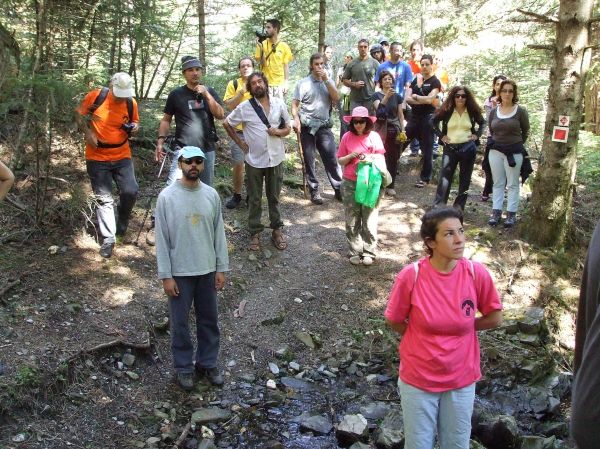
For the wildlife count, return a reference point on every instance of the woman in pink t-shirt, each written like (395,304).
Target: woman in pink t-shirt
(433,305)
(361,221)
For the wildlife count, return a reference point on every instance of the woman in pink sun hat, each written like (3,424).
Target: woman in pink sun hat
(361,142)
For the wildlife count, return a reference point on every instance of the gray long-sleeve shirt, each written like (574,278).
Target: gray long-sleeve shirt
(190,236)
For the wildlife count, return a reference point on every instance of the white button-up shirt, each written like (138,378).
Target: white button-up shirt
(264,150)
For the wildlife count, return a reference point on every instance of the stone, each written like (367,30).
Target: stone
(375,410)
(53,249)
(247,377)
(351,429)
(210,415)
(530,339)
(274,398)
(550,428)
(274,321)
(533,321)
(132,375)
(359,445)
(553,405)
(391,431)
(271,384)
(305,338)
(19,438)
(500,432)
(273,368)
(284,353)
(535,442)
(297,384)
(294,366)
(273,444)
(207,444)
(128,359)
(153,441)
(192,443)
(317,424)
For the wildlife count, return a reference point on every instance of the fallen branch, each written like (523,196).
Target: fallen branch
(145,346)
(182,437)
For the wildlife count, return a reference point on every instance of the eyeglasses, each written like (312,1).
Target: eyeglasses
(460,96)
(361,121)
(196,160)
(507,91)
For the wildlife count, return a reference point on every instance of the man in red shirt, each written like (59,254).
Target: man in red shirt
(107,125)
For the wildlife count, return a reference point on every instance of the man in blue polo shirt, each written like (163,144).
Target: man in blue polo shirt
(399,69)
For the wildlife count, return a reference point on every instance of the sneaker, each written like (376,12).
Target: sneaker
(355,260)
(390,192)
(367,260)
(213,375)
(186,381)
(511,219)
(338,194)
(106,249)
(484,197)
(234,201)
(316,198)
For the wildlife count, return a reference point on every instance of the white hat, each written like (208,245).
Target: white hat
(122,85)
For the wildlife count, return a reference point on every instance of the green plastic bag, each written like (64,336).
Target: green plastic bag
(368,184)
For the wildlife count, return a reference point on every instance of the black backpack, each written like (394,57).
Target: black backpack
(102,96)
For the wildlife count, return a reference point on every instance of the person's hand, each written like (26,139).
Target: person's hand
(359,84)
(91,139)
(219,280)
(170,287)
(136,127)
(445,140)
(200,89)
(273,132)
(159,154)
(284,88)
(473,137)
(245,147)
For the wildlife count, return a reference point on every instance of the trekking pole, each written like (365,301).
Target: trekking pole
(149,204)
(301,153)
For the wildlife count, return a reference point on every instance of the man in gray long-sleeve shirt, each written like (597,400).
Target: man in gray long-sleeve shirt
(191,254)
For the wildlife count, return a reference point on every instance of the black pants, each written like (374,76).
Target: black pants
(450,159)
(392,152)
(323,142)
(418,127)
(487,170)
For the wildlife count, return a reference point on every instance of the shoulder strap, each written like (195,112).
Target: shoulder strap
(259,111)
(235,84)
(130,108)
(99,100)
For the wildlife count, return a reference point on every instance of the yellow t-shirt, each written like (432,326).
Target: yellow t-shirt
(231,91)
(459,127)
(274,60)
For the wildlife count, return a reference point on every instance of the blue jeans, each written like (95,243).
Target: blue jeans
(199,291)
(505,175)
(102,174)
(323,142)
(206,176)
(446,414)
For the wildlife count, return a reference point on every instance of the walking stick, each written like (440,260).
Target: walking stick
(149,204)
(301,153)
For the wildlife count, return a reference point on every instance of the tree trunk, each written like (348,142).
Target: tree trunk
(551,203)
(322,10)
(201,31)
(592,108)
(90,42)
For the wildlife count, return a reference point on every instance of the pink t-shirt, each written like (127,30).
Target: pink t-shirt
(367,143)
(439,350)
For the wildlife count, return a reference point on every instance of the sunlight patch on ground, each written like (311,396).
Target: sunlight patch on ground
(118,296)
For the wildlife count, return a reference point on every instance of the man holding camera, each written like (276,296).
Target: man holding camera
(313,100)
(266,121)
(107,117)
(274,57)
(195,107)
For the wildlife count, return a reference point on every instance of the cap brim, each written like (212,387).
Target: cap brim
(348,118)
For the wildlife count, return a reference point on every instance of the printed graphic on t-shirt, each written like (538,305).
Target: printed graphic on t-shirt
(468,308)
(194,218)
(195,104)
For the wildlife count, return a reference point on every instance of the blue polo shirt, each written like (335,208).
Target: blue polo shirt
(401,72)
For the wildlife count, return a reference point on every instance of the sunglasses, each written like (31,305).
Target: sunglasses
(361,121)
(460,96)
(507,91)
(197,160)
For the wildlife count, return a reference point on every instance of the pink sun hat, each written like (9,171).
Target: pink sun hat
(359,112)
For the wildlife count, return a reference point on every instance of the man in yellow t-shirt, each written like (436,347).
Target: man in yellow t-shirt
(235,94)
(273,57)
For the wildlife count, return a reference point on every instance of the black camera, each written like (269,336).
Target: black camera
(128,127)
(261,35)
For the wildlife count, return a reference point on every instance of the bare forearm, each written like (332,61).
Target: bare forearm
(333,92)
(489,321)
(215,108)
(398,327)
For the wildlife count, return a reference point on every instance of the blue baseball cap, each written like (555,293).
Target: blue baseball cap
(188,152)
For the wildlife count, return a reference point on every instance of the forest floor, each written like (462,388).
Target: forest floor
(68,316)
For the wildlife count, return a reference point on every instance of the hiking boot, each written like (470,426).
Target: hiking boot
(316,198)
(186,381)
(511,219)
(337,193)
(495,218)
(234,201)
(122,225)
(213,375)
(106,249)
